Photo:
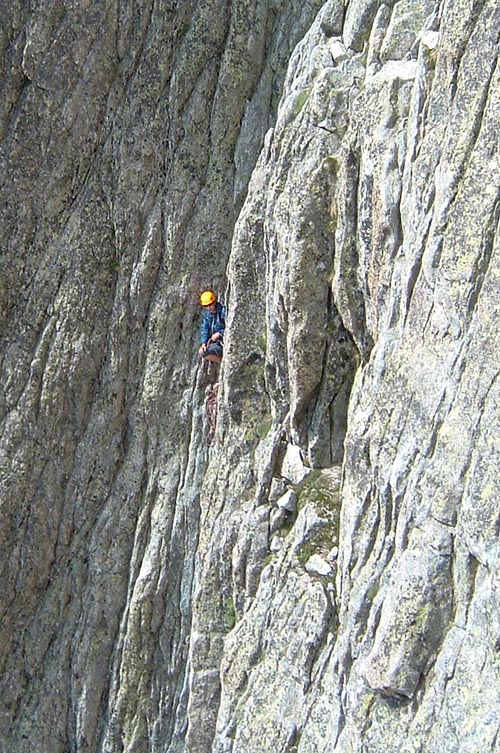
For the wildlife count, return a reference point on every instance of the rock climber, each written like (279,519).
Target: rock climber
(213,325)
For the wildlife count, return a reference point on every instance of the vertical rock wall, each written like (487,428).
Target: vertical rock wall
(322,577)
(129,131)
(364,257)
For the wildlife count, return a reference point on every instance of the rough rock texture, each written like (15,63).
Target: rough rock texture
(129,131)
(337,166)
(371,222)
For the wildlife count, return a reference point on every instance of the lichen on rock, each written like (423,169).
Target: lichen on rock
(320,576)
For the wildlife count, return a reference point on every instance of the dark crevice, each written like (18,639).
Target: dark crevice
(481,264)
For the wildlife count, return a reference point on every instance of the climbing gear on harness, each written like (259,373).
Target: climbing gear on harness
(214,349)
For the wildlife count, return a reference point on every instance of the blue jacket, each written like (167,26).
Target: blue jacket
(211,323)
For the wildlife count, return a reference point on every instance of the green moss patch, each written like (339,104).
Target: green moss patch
(320,490)
(229,614)
(302,98)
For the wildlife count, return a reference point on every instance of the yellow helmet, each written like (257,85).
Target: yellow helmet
(207,297)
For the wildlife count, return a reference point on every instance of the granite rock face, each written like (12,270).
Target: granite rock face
(129,131)
(333,169)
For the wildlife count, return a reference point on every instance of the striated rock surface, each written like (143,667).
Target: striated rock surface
(129,131)
(372,222)
(321,577)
